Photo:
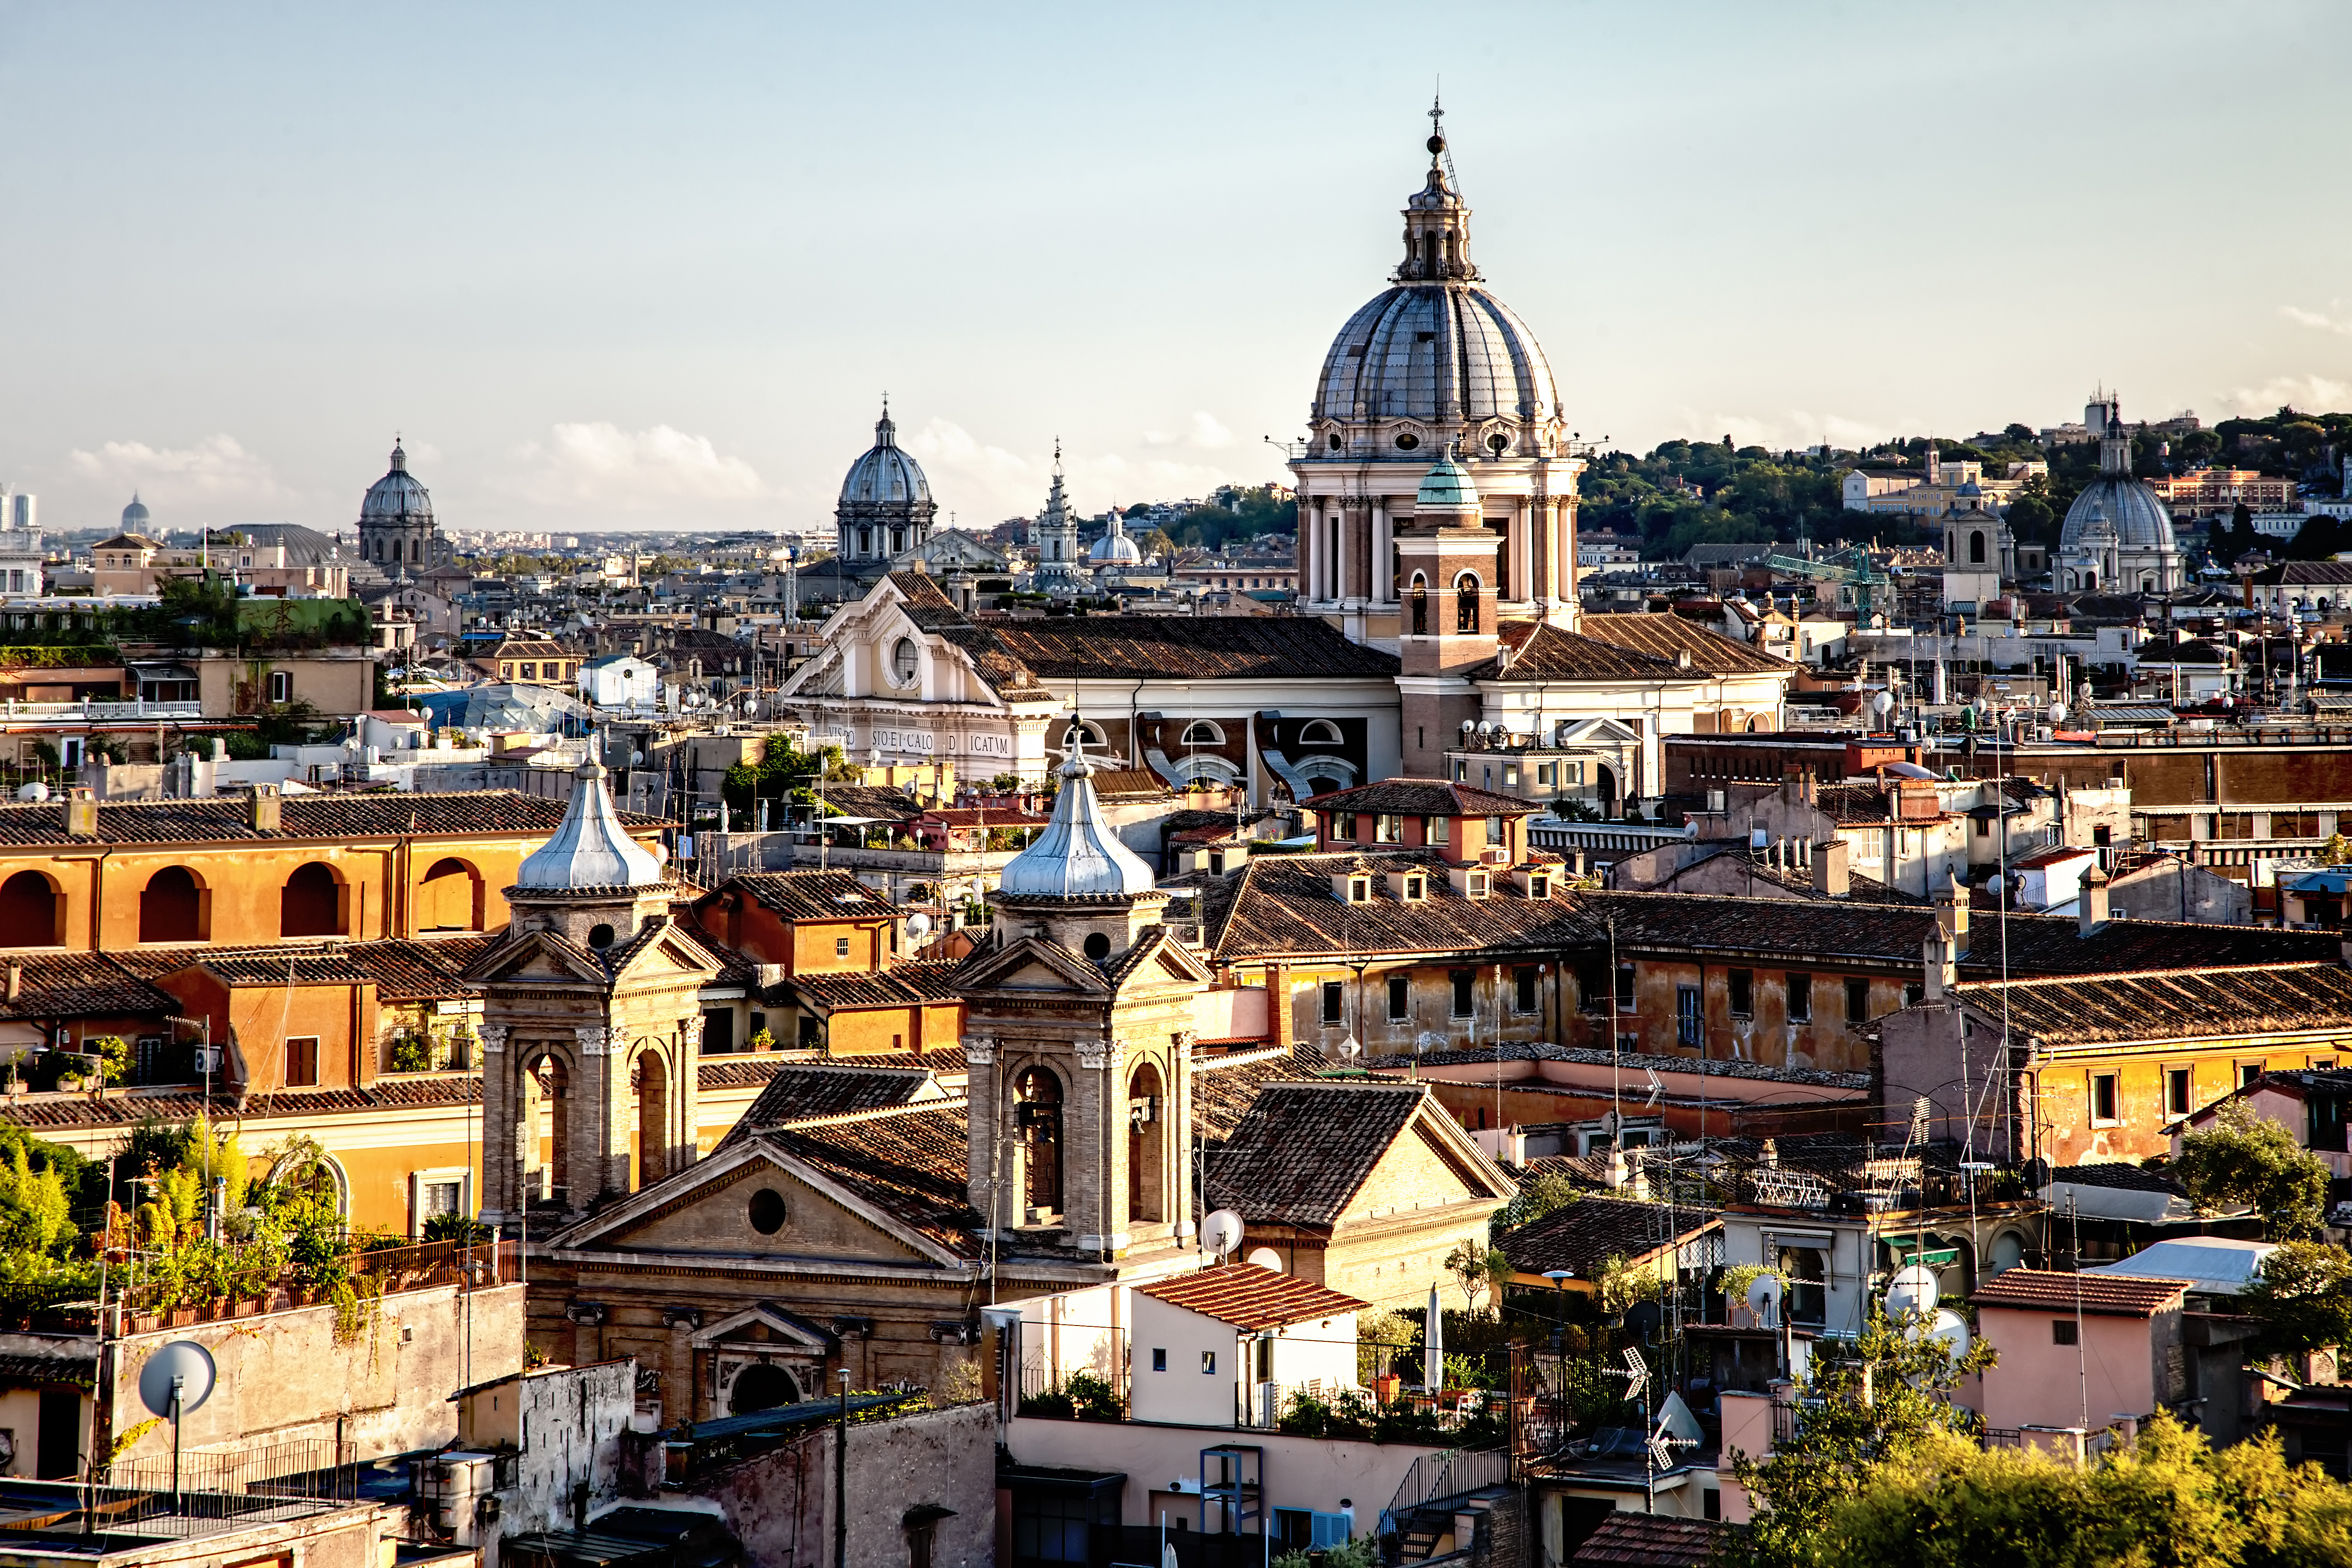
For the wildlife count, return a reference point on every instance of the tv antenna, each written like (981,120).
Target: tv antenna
(175,1382)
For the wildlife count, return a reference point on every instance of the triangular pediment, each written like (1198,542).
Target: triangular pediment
(1032,965)
(535,955)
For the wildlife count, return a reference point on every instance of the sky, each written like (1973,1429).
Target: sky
(655,266)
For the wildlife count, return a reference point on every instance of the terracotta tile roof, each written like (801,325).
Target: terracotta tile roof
(2053,944)
(806,895)
(869,800)
(984,817)
(1637,1061)
(1544,652)
(911,1164)
(1653,1541)
(2116,1175)
(1224,1087)
(800,1091)
(1301,1152)
(1251,1298)
(123,1108)
(2172,1005)
(471,814)
(2102,1294)
(1123,783)
(927,980)
(1204,647)
(733,1071)
(1663,637)
(1282,906)
(80,985)
(1423,797)
(1581,1236)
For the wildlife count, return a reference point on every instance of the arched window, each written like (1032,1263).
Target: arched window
(649,1077)
(1201,732)
(865,541)
(1320,733)
(547,1131)
(29,907)
(2090,582)
(311,904)
(1976,547)
(1039,1123)
(1465,602)
(1420,605)
(172,907)
(1147,1123)
(1084,733)
(1429,256)
(450,897)
(762,1385)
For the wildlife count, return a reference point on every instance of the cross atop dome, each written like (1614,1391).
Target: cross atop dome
(1436,223)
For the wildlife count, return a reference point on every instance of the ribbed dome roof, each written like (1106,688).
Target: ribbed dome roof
(1446,488)
(1435,351)
(1077,856)
(886,475)
(2140,520)
(134,516)
(1114,547)
(590,848)
(396,497)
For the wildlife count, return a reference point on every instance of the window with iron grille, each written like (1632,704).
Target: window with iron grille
(1688,1029)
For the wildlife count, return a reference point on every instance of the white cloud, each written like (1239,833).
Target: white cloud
(2317,320)
(1205,431)
(2314,392)
(215,469)
(601,465)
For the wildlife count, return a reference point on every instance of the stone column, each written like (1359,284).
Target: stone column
(685,1140)
(504,1155)
(598,1167)
(1523,555)
(1094,1170)
(980,1120)
(1383,585)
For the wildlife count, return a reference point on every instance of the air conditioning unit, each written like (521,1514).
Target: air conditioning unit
(1494,855)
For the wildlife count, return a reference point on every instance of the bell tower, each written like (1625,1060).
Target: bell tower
(1447,559)
(1079,1036)
(592,1023)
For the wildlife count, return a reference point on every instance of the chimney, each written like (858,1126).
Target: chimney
(2091,905)
(1940,964)
(15,981)
(81,813)
(1831,878)
(1952,915)
(266,800)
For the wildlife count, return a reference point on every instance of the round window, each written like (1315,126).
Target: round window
(905,661)
(600,936)
(767,1211)
(1335,443)
(1097,947)
(1407,442)
(1497,441)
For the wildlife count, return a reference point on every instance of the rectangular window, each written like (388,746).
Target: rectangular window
(1462,978)
(2176,1091)
(1495,832)
(1343,825)
(1687,1016)
(2062,1331)
(1399,998)
(1159,1358)
(1388,828)
(440,1198)
(2102,1098)
(1510,775)
(1436,829)
(1857,1001)
(1461,773)
(302,1061)
(1413,890)
(1539,886)
(1800,998)
(281,685)
(1593,988)
(1209,1361)
(1334,1002)
(840,947)
(1523,989)
(1743,993)
(1546,772)
(1624,987)
(1359,890)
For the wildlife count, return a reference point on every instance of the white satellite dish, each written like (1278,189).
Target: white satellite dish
(1951,1330)
(919,926)
(1912,1290)
(177,1379)
(1764,1300)
(1221,1231)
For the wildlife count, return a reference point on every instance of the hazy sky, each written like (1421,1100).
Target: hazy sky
(634,266)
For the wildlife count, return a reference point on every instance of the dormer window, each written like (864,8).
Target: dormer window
(1359,890)
(1415,890)
(1477,884)
(1539,886)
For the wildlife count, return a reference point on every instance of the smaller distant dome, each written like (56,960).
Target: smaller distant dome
(1969,488)
(396,498)
(1446,488)
(134,516)
(1115,548)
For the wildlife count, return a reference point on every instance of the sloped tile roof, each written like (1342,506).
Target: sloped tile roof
(122,1108)
(1302,1151)
(1423,797)
(1224,1087)
(1282,906)
(868,800)
(1204,647)
(2173,1005)
(1579,1236)
(1540,651)
(808,895)
(910,1164)
(1653,1541)
(80,985)
(924,980)
(2103,1295)
(1663,637)
(326,816)
(735,1072)
(1251,1298)
(802,1091)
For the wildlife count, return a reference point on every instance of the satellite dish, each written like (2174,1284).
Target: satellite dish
(2057,713)
(1912,1290)
(1469,725)
(184,1362)
(1764,1300)
(1951,1330)
(2036,1173)
(1221,1231)
(919,926)
(1642,1318)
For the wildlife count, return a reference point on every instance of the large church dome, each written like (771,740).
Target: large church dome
(2128,506)
(885,475)
(396,498)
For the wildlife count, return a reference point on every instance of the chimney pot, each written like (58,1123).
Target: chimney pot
(2091,904)
(266,802)
(81,813)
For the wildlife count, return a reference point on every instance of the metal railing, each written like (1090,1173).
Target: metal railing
(1457,1472)
(223,1485)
